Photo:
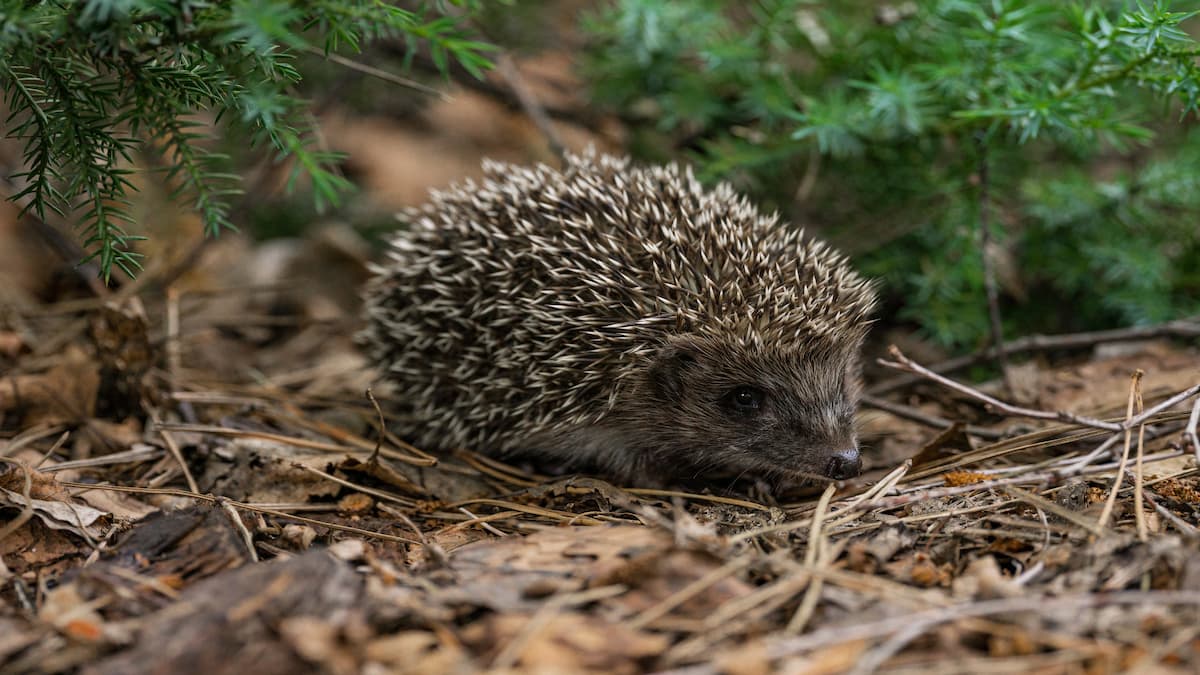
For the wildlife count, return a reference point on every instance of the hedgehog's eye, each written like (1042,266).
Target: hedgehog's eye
(745,400)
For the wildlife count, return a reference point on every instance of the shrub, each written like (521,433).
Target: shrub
(904,124)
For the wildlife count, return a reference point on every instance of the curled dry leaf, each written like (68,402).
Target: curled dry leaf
(300,537)
(41,484)
(519,574)
(50,502)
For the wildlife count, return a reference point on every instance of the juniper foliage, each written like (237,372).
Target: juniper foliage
(87,82)
(902,123)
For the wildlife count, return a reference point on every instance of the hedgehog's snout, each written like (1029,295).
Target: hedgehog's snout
(844,464)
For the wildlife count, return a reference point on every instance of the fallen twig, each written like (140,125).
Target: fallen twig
(902,362)
(1135,384)
(508,70)
(1190,431)
(816,553)
(1184,328)
(911,413)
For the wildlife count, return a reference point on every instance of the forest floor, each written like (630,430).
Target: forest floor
(196,482)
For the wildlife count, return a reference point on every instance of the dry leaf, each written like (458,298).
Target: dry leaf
(508,574)
(60,515)
(567,642)
(64,394)
(416,653)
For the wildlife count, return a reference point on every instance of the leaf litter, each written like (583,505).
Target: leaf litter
(204,494)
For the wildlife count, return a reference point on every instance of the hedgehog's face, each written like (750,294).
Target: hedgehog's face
(787,413)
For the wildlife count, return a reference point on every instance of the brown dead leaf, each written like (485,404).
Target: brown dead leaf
(261,470)
(751,658)
(569,642)
(831,660)
(892,439)
(126,507)
(73,615)
(383,471)
(397,164)
(514,574)
(416,653)
(84,629)
(673,571)
(1007,545)
(36,547)
(1102,384)
(59,514)
(508,574)
(42,485)
(100,437)
(193,543)
(121,435)
(355,503)
(64,394)
(448,540)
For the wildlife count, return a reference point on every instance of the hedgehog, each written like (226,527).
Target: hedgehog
(622,319)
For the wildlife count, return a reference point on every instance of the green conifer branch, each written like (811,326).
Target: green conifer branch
(88,81)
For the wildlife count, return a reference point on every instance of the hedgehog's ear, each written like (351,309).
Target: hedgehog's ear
(668,366)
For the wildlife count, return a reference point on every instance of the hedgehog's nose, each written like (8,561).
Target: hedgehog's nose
(844,464)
